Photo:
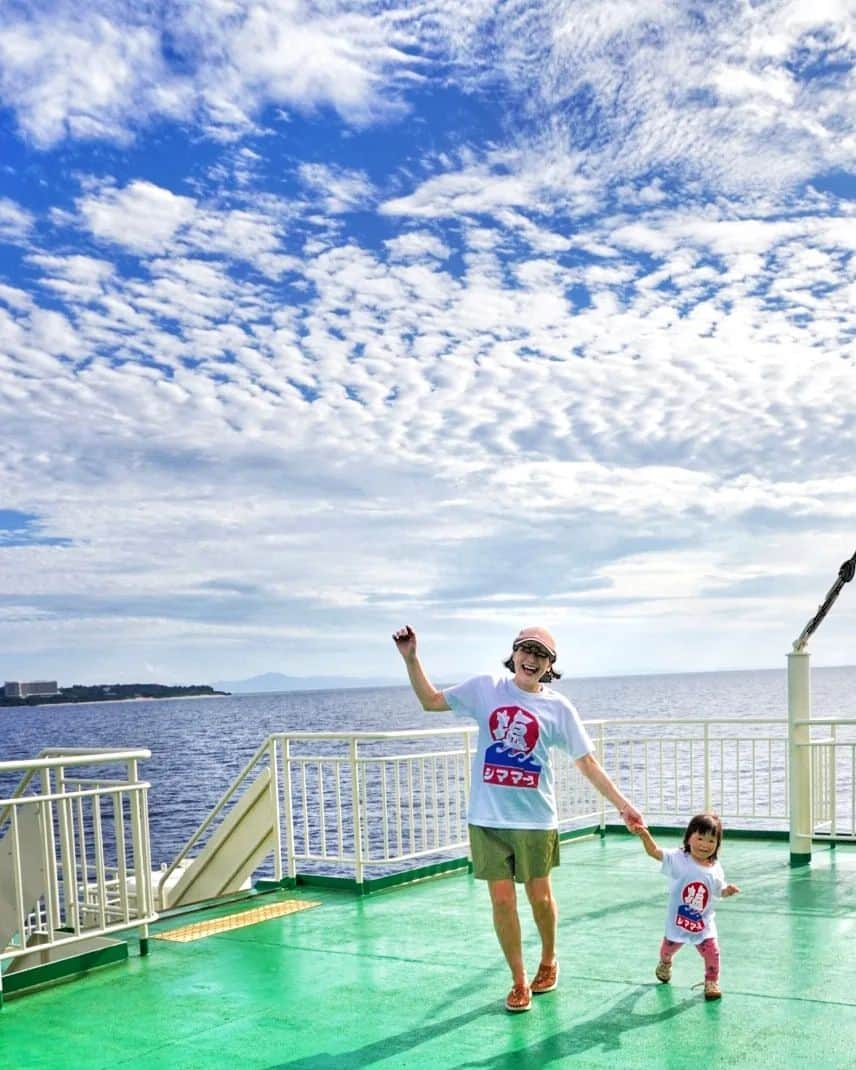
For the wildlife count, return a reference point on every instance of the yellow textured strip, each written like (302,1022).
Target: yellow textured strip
(200,929)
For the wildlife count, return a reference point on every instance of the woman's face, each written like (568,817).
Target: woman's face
(530,661)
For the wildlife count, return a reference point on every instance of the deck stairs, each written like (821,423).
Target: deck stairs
(33,877)
(225,864)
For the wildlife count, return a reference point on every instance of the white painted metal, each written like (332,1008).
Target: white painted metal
(799,755)
(832,751)
(56,889)
(366,804)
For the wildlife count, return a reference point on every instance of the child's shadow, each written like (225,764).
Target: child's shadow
(605,1031)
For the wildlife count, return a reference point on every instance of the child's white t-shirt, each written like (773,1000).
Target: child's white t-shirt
(512,777)
(693,891)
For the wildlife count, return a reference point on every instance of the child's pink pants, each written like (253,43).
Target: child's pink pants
(708,949)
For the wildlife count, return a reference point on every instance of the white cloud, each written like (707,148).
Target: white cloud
(147,220)
(15,222)
(417,245)
(78,73)
(102,72)
(142,217)
(338,189)
(506,182)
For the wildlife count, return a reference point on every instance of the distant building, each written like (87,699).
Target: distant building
(13,689)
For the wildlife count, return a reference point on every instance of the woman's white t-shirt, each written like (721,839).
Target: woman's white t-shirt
(512,776)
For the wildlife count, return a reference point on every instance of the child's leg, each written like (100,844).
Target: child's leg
(668,949)
(709,951)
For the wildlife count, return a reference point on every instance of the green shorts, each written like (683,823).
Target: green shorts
(517,854)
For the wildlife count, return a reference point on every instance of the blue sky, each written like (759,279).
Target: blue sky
(320,318)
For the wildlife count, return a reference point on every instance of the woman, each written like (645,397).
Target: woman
(513,820)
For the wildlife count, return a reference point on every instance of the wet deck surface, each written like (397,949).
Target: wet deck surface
(412,977)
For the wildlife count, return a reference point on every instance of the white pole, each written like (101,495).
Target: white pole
(799,757)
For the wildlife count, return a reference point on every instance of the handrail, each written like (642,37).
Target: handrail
(77,755)
(396,733)
(472,729)
(59,760)
(88,793)
(826,720)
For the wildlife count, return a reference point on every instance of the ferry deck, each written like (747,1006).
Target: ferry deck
(411,977)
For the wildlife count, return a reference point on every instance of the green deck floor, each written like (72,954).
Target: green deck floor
(412,977)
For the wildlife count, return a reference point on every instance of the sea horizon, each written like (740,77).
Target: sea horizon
(391,684)
(447,680)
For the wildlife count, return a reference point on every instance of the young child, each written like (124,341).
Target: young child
(696,882)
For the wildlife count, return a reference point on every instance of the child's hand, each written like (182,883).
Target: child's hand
(638,828)
(730,889)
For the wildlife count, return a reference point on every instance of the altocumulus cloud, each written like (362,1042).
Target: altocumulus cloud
(325,317)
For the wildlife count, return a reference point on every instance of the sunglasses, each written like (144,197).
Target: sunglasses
(530,648)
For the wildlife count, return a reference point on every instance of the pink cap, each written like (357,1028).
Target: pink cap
(537,635)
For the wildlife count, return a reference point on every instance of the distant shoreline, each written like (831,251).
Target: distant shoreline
(80,693)
(95,701)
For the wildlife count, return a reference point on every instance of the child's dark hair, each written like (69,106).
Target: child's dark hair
(709,823)
(550,674)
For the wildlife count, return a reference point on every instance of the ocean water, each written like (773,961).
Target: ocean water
(199,745)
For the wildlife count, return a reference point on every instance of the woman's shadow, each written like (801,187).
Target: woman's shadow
(603,1031)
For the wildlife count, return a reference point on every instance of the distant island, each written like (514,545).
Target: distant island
(111,693)
(276,681)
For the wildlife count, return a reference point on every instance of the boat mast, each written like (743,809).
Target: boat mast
(799,725)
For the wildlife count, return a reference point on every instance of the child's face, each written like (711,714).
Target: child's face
(702,846)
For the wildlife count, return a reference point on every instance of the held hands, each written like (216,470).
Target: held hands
(405,640)
(730,889)
(632,818)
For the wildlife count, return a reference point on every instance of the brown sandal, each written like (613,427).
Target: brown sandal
(519,999)
(546,979)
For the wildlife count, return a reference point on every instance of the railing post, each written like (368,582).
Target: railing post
(468,778)
(799,757)
(707,806)
(833,784)
(288,809)
(600,751)
(277,817)
(356,802)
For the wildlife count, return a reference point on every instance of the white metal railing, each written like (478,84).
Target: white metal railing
(411,790)
(833,776)
(371,803)
(75,861)
(674,769)
(365,800)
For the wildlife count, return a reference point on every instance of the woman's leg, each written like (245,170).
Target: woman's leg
(546,914)
(506,924)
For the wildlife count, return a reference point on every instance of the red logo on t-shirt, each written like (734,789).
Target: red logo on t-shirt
(508,761)
(694,900)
